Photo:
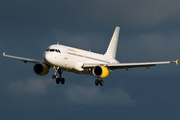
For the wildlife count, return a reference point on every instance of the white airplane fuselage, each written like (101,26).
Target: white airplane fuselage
(72,59)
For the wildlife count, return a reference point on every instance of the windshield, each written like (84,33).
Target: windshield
(53,50)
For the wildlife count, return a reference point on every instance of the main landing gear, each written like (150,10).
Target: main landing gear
(98,81)
(58,80)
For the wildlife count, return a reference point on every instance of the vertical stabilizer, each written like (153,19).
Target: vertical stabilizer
(111,51)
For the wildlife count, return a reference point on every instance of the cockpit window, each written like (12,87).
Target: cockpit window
(53,50)
(57,50)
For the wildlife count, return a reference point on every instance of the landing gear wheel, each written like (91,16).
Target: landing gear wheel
(62,80)
(101,82)
(97,82)
(58,80)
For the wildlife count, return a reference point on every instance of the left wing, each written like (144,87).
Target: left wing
(23,59)
(130,65)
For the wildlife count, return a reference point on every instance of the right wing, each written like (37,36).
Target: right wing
(129,65)
(135,65)
(23,59)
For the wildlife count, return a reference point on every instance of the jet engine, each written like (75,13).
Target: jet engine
(41,69)
(100,71)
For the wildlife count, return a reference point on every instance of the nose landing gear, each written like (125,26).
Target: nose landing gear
(54,76)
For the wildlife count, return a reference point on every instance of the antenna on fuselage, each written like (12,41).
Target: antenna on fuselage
(57,43)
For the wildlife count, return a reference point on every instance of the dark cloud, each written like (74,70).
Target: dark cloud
(32,86)
(74,94)
(149,32)
(74,14)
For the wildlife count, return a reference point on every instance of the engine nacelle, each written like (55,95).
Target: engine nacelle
(41,69)
(100,71)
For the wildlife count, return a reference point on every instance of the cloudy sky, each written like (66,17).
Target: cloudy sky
(149,32)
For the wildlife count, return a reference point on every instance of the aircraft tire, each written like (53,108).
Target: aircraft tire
(62,80)
(58,80)
(101,82)
(97,82)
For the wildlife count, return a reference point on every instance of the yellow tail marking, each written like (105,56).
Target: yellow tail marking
(177,62)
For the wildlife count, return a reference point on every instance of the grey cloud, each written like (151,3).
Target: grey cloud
(73,94)
(87,94)
(90,96)
(31,86)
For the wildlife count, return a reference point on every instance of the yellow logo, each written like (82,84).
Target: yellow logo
(76,51)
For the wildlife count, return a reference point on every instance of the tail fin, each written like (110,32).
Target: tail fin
(111,51)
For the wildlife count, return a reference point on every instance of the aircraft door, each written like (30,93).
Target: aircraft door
(64,57)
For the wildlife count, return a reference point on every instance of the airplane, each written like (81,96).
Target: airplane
(64,58)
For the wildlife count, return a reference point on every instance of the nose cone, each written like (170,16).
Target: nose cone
(47,58)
